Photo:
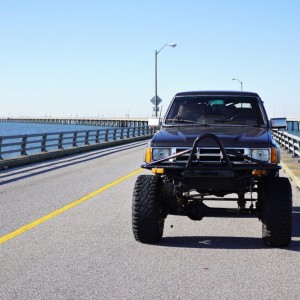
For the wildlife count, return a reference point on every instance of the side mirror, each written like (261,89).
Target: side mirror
(278,123)
(154,122)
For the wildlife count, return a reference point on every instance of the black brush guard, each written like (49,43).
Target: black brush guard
(225,168)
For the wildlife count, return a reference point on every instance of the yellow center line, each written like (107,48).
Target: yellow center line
(45,218)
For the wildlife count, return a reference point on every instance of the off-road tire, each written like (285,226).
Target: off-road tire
(148,209)
(277,212)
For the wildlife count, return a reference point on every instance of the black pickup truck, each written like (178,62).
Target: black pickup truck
(213,144)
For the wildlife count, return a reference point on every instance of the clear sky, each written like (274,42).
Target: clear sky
(96,58)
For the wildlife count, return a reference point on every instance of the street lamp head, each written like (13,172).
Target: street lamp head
(165,45)
(236,80)
(241,83)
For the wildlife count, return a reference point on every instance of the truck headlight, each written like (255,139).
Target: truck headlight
(160,153)
(260,154)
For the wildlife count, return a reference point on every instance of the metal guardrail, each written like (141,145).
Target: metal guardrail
(288,141)
(24,145)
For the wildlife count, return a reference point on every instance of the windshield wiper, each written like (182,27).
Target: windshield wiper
(188,122)
(245,123)
(241,125)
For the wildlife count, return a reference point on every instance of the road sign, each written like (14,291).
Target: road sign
(153,100)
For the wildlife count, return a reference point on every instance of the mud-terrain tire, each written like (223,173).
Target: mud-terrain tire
(148,216)
(277,212)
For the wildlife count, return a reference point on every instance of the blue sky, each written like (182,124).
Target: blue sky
(96,58)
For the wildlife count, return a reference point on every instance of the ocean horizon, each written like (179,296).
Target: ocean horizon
(12,128)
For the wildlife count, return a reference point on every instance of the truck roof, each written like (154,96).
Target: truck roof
(217,93)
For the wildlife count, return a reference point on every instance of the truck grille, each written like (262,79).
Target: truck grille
(209,155)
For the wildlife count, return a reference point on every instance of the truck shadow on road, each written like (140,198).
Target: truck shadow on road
(232,242)
(218,242)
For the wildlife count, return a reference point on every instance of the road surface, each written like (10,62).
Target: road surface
(65,232)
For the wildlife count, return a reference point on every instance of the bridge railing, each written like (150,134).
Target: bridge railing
(288,141)
(24,145)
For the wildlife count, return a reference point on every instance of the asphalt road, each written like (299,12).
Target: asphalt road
(65,233)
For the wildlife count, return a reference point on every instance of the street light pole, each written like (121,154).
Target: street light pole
(241,83)
(156,53)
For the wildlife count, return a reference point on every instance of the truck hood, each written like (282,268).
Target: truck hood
(235,136)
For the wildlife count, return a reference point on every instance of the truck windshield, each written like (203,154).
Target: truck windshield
(215,110)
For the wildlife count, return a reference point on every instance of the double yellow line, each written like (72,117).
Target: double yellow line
(45,218)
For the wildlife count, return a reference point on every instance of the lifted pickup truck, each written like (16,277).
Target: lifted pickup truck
(213,144)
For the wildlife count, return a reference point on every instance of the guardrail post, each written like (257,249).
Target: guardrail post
(289,145)
(115,134)
(44,141)
(295,148)
(106,135)
(279,136)
(121,134)
(1,148)
(286,143)
(60,140)
(97,137)
(74,139)
(86,139)
(282,138)
(23,145)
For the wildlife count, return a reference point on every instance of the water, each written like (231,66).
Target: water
(31,128)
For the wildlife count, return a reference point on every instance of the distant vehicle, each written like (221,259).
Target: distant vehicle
(212,144)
